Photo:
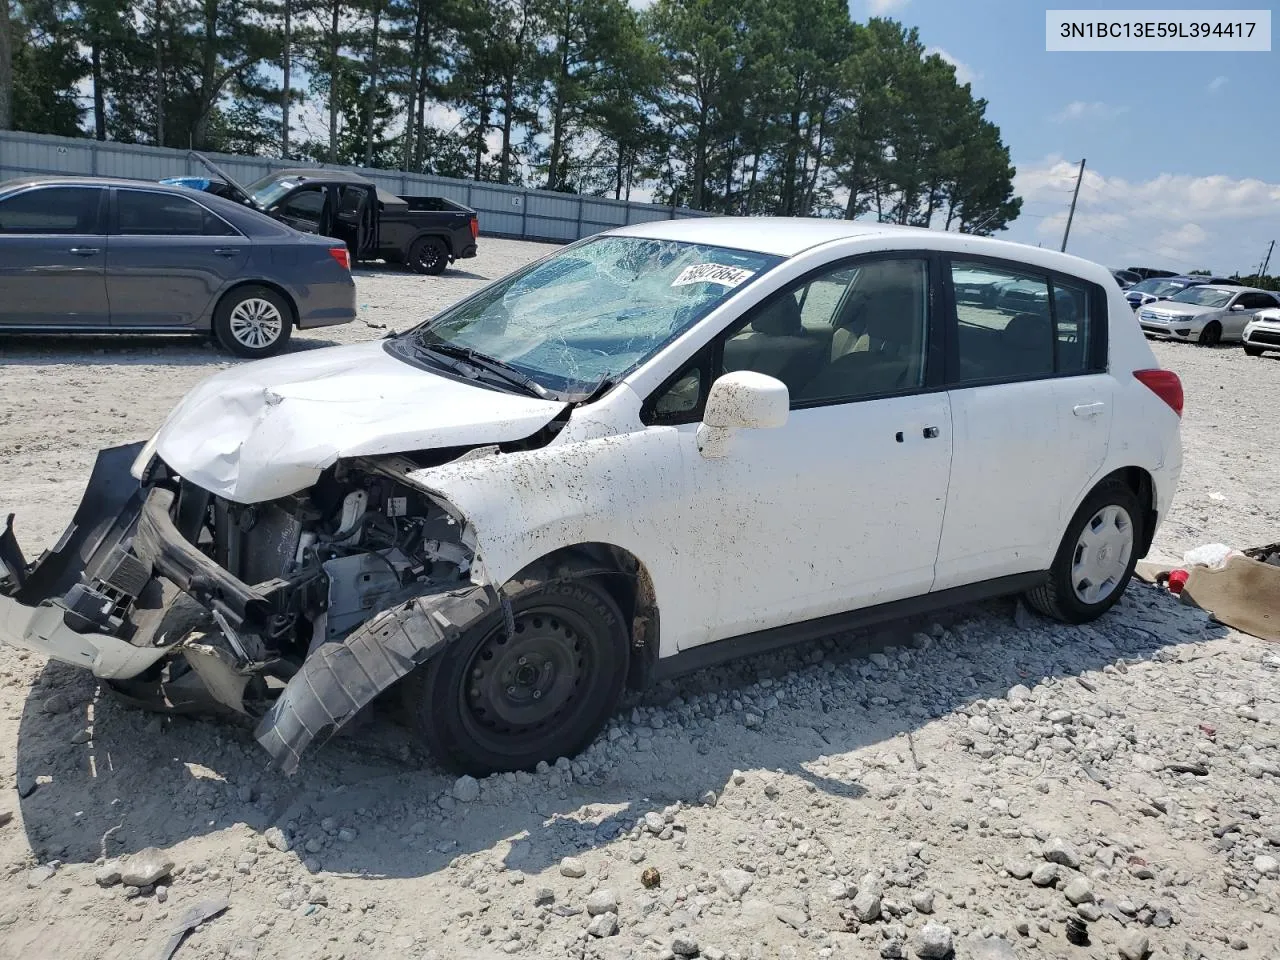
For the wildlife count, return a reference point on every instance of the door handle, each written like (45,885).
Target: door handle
(86,251)
(931,433)
(1088,409)
(226,251)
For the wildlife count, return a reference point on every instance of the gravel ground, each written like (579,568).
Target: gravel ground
(989,785)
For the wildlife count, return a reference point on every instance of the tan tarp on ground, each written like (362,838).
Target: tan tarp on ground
(1244,594)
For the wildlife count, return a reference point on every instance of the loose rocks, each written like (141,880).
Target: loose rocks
(734,882)
(573,868)
(932,942)
(1058,850)
(602,901)
(146,867)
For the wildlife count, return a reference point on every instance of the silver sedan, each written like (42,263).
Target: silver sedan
(1207,315)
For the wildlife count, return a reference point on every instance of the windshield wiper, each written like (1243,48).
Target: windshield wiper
(499,368)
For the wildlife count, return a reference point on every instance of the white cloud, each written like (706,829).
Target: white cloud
(878,8)
(1176,221)
(1217,83)
(964,72)
(1081,110)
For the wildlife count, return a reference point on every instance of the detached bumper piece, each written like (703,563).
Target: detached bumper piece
(340,679)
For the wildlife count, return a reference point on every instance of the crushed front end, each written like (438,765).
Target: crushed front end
(185,599)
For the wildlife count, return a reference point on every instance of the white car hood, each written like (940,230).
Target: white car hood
(267,429)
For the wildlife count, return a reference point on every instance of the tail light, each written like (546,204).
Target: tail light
(475,228)
(342,255)
(1165,385)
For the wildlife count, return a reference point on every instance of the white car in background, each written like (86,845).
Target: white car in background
(1263,332)
(656,449)
(1207,314)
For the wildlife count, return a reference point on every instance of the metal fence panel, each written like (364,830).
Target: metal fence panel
(504,210)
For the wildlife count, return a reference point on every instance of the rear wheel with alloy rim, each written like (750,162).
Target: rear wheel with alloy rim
(253,322)
(1095,560)
(428,255)
(538,686)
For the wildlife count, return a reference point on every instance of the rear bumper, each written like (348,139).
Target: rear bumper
(467,252)
(326,304)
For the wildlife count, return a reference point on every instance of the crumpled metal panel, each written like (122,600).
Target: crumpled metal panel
(339,679)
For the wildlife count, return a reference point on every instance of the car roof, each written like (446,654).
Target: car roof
(1232,288)
(789,236)
(51,180)
(249,221)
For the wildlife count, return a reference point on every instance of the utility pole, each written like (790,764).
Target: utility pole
(1071,215)
(1267,262)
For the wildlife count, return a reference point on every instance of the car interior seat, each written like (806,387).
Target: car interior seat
(776,343)
(877,348)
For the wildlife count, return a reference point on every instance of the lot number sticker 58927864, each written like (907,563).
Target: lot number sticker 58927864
(712,273)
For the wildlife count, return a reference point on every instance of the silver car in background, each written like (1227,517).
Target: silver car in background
(1206,314)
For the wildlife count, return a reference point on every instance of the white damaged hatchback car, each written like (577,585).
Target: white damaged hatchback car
(655,449)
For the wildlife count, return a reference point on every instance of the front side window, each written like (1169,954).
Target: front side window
(1203,297)
(51,210)
(590,313)
(144,214)
(305,205)
(850,333)
(1256,301)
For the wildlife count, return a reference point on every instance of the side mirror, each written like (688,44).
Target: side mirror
(743,400)
(1237,307)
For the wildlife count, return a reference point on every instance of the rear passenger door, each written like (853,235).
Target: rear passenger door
(167,258)
(1031,409)
(52,251)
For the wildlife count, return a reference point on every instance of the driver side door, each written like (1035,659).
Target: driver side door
(840,508)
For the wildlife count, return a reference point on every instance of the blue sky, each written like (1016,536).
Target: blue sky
(1183,149)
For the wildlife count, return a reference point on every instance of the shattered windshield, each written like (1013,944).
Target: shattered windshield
(592,312)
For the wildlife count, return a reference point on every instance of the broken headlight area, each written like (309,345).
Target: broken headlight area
(173,593)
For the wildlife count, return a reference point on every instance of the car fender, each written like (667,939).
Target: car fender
(623,490)
(440,234)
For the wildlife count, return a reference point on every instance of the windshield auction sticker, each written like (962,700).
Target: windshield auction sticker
(712,273)
(1234,31)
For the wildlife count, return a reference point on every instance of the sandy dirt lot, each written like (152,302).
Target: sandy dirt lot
(977,784)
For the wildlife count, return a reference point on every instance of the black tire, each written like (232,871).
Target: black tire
(1252,351)
(253,322)
(1211,335)
(479,706)
(1058,597)
(428,255)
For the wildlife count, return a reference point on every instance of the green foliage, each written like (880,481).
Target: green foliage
(730,106)
(1261,282)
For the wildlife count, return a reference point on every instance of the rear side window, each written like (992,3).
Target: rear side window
(1073,327)
(1004,328)
(1016,325)
(144,214)
(56,210)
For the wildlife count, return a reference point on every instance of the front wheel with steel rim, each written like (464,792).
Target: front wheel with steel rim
(538,685)
(1211,335)
(253,322)
(1096,558)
